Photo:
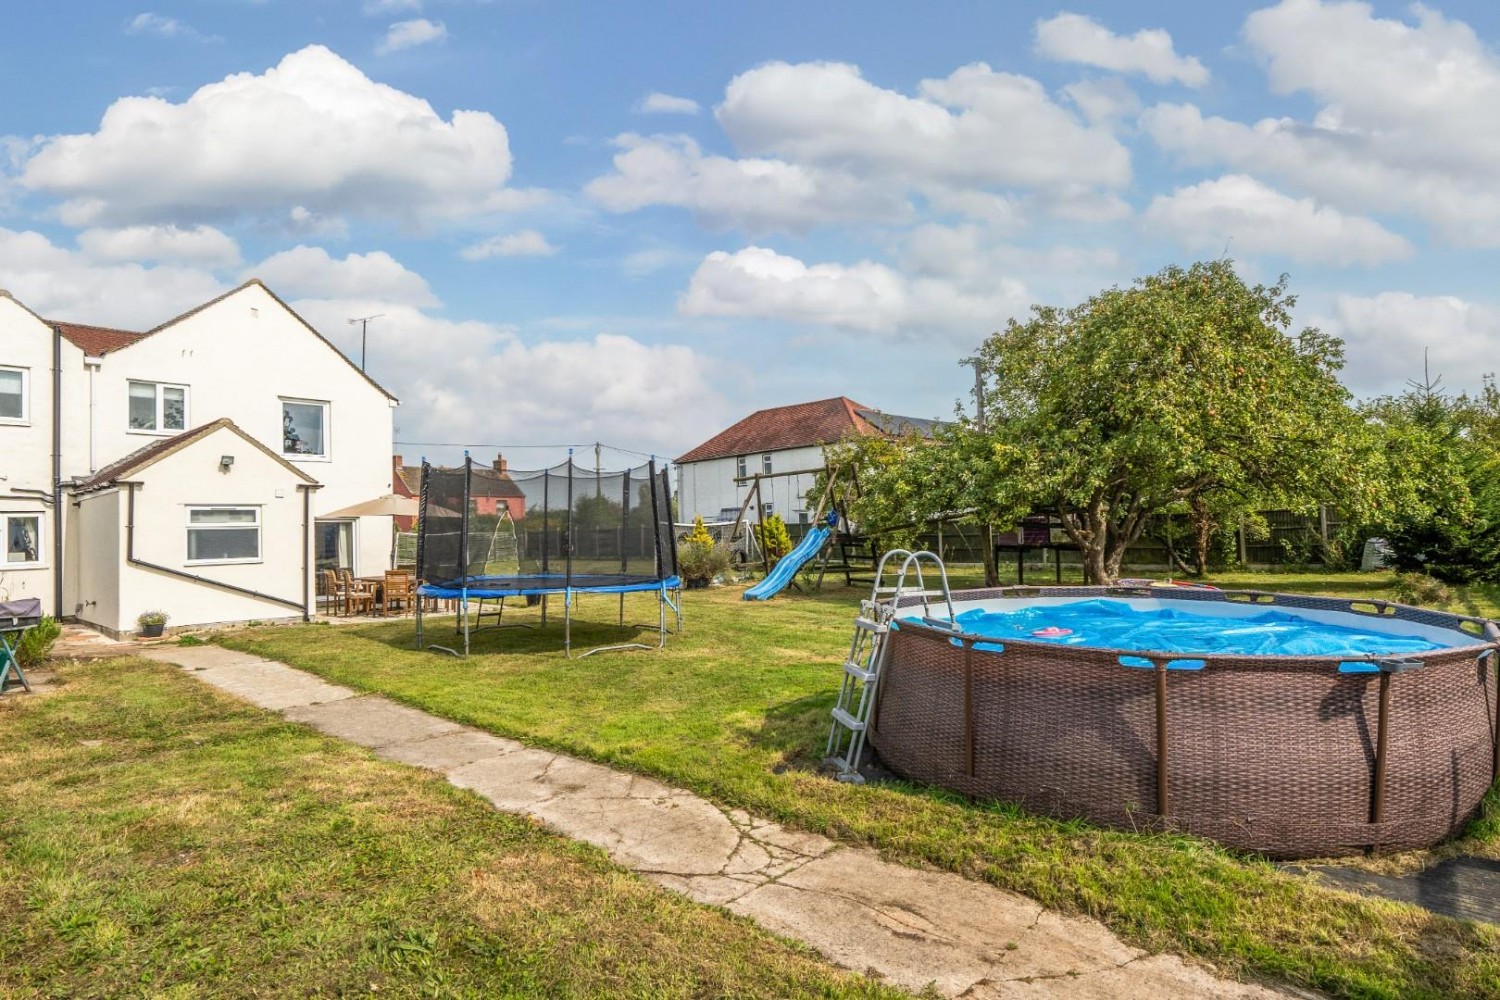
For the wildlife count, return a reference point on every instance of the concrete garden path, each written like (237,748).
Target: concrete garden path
(908,926)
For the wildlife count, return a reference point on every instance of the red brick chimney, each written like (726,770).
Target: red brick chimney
(501,465)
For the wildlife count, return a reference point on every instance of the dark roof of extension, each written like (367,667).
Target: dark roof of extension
(121,471)
(803,425)
(96,341)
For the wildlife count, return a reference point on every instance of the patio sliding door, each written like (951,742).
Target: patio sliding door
(335,545)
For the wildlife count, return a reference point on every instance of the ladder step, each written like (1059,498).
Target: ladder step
(910,592)
(855,670)
(879,628)
(848,721)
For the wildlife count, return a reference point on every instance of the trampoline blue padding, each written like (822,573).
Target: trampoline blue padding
(538,584)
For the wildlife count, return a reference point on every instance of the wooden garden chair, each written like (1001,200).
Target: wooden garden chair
(398,590)
(356,595)
(328,583)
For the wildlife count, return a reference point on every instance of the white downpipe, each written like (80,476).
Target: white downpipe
(92,364)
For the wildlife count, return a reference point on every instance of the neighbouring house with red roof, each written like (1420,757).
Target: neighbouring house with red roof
(491,489)
(187,468)
(784,444)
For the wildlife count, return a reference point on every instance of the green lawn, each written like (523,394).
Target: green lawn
(737,708)
(160,839)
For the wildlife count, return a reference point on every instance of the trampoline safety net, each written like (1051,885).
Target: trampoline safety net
(565,527)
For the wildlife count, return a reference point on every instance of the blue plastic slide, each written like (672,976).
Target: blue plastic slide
(781,574)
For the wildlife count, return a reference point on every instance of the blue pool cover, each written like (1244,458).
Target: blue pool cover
(1116,625)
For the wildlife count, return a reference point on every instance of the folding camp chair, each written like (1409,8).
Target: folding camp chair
(15,618)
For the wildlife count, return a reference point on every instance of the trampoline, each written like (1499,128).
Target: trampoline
(486,535)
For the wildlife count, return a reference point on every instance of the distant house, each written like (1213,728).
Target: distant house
(784,439)
(491,489)
(196,460)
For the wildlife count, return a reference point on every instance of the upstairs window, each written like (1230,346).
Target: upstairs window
(155,406)
(23,540)
(765,463)
(14,408)
(739,467)
(304,428)
(223,534)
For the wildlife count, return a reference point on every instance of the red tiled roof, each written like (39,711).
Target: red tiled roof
(95,341)
(800,425)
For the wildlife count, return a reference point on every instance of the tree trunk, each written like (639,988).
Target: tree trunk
(1203,530)
(987,543)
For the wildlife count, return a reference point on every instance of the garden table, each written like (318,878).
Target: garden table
(15,618)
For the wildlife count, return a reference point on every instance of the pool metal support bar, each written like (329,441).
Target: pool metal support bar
(1163,800)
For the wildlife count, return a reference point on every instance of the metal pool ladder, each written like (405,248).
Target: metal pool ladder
(851,714)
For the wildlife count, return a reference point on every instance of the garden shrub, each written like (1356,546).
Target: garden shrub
(36,643)
(773,537)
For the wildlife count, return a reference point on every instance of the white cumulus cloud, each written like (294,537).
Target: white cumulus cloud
(1256,219)
(817,143)
(758,194)
(525,243)
(657,103)
(1149,52)
(305,272)
(1388,336)
(410,34)
(1407,116)
(865,297)
(203,245)
(605,387)
(64,284)
(312,134)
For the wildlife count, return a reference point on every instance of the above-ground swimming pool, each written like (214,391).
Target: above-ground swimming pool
(1287,725)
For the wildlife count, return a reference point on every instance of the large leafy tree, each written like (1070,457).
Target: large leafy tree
(1186,387)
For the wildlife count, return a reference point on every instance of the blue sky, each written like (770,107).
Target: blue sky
(636,223)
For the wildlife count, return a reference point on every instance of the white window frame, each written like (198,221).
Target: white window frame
(25,418)
(243,560)
(40,561)
(298,456)
(739,467)
(765,464)
(160,430)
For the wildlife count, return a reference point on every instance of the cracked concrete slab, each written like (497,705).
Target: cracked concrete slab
(450,750)
(1153,976)
(371,721)
(908,926)
(259,681)
(203,657)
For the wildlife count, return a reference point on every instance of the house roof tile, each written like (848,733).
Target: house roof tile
(803,425)
(95,341)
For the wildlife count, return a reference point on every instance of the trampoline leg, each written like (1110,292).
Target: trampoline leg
(661,619)
(622,609)
(544,610)
(567,624)
(466,625)
(419,600)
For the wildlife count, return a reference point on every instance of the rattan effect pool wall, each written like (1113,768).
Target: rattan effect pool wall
(1284,756)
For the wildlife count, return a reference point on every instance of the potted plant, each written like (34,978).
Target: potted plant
(700,558)
(151,623)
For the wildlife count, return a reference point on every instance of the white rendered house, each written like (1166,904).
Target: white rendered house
(712,478)
(138,416)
